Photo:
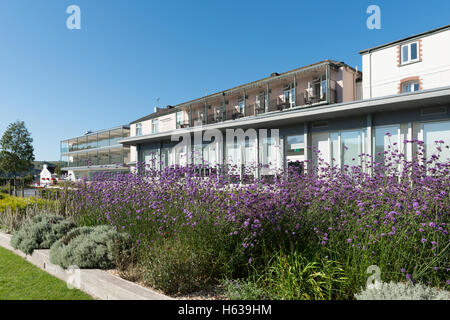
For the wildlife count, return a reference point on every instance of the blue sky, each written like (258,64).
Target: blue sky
(128,53)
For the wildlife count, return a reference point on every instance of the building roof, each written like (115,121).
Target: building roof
(228,91)
(420,35)
(90,133)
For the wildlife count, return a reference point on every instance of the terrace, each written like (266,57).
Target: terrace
(304,87)
(100,148)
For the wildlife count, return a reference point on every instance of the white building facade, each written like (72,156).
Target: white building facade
(416,63)
(404,94)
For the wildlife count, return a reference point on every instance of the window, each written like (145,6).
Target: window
(295,145)
(241,106)
(179,118)
(385,139)
(155,126)
(139,129)
(410,86)
(436,136)
(289,96)
(410,52)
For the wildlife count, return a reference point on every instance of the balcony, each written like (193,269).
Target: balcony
(95,140)
(303,87)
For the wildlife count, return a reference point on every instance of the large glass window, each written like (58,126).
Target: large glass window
(295,145)
(335,149)
(151,157)
(351,147)
(436,136)
(385,139)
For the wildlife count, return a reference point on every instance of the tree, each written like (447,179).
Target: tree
(16,155)
(58,170)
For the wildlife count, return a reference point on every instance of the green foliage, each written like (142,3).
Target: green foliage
(40,232)
(293,276)
(19,203)
(89,247)
(186,264)
(402,291)
(16,153)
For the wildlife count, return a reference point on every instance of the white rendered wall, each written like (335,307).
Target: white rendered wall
(433,70)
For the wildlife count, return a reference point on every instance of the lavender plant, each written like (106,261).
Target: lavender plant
(388,211)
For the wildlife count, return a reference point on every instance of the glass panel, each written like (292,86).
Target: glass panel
(139,129)
(155,127)
(115,136)
(116,157)
(434,134)
(351,147)
(295,145)
(64,147)
(416,86)
(414,51)
(384,139)
(103,157)
(405,56)
(334,138)
(249,153)
(241,106)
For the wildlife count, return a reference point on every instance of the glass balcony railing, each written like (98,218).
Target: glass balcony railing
(93,141)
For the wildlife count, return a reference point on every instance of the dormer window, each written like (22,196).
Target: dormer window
(410,52)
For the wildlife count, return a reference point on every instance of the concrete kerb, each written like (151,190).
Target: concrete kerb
(97,283)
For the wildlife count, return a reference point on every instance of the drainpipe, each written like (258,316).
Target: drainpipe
(328,84)
(370,73)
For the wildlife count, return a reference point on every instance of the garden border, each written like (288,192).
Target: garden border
(95,282)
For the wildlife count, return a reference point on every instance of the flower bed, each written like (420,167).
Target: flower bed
(190,231)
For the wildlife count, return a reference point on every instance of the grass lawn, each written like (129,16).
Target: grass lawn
(20,280)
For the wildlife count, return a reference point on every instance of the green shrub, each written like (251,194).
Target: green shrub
(243,290)
(181,267)
(89,247)
(40,232)
(402,291)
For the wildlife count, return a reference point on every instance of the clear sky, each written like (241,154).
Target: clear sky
(128,53)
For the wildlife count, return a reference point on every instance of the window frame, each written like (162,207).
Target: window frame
(411,83)
(155,126)
(409,60)
(138,131)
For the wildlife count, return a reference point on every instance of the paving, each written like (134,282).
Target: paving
(95,282)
